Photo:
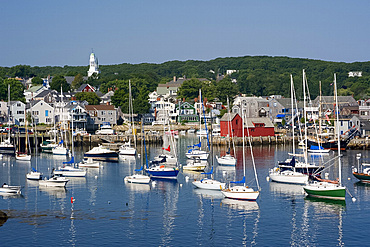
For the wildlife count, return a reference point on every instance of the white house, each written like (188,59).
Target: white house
(42,112)
(165,111)
(17,112)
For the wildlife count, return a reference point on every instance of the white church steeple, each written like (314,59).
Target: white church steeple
(94,67)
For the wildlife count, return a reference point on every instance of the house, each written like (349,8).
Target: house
(347,104)
(186,113)
(260,126)
(106,98)
(147,118)
(99,114)
(165,112)
(364,109)
(281,109)
(77,111)
(33,91)
(252,106)
(153,98)
(362,125)
(42,112)
(17,112)
(86,88)
(3,112)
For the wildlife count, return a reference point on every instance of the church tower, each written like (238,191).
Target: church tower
(94,67)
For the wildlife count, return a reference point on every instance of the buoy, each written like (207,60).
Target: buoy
(353,199)
(96,177)
(108,202)
(180,185)
(349,178)
(72,199)
(187,178)
(267,178)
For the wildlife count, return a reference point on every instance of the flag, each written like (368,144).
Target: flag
(167,149)
(327,118)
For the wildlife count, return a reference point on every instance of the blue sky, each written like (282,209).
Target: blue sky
(58,33)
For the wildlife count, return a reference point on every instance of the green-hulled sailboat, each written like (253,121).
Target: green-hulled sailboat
(329,189)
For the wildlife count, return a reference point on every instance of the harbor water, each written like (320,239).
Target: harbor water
(106,211)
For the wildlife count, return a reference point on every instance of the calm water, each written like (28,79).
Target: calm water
(172,213)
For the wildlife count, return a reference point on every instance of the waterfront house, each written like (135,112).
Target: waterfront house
(42,112)
(281,109)
(3,112)
(99,114)
(17,113)
(77,110)
(165,112)
(260,126)
(362,125)
(106,99)
(252,106)
(186,113)
(364,109)
(347,104)
(33,92)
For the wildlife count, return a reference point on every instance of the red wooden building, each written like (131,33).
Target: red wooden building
(261,126)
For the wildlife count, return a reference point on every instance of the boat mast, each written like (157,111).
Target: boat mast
(200,118)
(305,115)
(291,102)
(243,145)
(320,130)
(132,112)
(337,115)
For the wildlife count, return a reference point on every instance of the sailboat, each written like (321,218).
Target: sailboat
(61,149)
(243,192)
(24,156)
(209,183)
(126,148)
(195,150)
(330,189)
(291,175)
(228,159)
(140,178)
(68,169)
(34,174)
(6,146)
(48,145)
(363,173)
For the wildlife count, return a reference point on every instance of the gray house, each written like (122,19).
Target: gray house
(252,106)
(42,112)
(17,112)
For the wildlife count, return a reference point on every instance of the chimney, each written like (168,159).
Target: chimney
(174,79)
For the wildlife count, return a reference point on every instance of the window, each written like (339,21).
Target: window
(46,113)
(35,112)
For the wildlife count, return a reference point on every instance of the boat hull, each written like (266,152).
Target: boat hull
(7,150)
(226,161)
(241,193)
(289,178)
(33,176)
(165,172)
(138,179)
(363,177)
(112,156)
(209,184)
(54,182)
(326,190)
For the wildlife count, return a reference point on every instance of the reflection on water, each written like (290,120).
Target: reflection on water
(208,194)
(239,204)
(57,192)
(285,189)
(137,187)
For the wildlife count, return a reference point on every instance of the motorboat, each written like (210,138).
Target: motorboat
(163,171)
(105,129)
(70,171)
(202,132)
(195,164)
(6,147)
(288,174)
(226,160)
(10,189)
(102,153)
(197,153)
(318,150)
(89,163)
(126,149)
(54,181)
(138,179)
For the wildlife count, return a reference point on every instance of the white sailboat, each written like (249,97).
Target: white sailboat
(126,148)
(330,189)
(228,159)
(140,178)
(34,174)
(61,149)
(6,146)
(10,189)
(54,181)
(89,163)
(243,192)
(195,164)
(196,151)
(291,175)
(24,156)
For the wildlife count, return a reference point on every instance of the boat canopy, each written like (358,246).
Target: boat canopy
(71,161)
(238,182)
(210,172)
(313,147)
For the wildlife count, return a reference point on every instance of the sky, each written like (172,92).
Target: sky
(59,33)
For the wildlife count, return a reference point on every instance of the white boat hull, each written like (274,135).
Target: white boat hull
(226,160)
(54,182)
(24,157)
(209,184)
(9,189)
(33,175)
(60,151)
(203,155)
(138,179)
(288,177)
(241,193)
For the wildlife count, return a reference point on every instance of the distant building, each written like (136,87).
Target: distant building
(355,74)
(86,88)
(17,112)
(100,114)
(94,66)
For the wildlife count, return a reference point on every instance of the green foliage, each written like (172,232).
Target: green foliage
(90,97)
(37,81)
(16,90)
(58,82)
(190,89)
(77,81)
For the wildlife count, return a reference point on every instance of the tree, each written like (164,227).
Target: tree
(77,81)
(58,82)
(189,89)
(37,81)
(16,90)
(90,97)
(226,88)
